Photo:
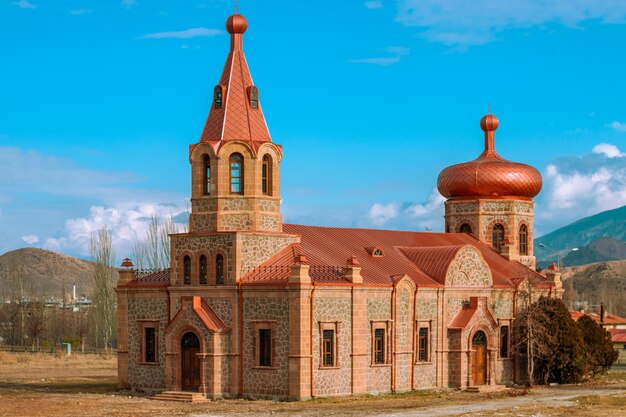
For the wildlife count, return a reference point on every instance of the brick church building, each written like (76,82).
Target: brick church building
(254,307)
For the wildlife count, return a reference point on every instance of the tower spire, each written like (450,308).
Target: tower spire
(236,113)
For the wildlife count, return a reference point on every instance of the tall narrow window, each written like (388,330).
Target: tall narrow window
(266,175)
(504,341)
(379,346)
(523,240)
(423,344)
(466,228)
(203,269)
(219,269)
(497,236)
(328,348)
(254,97)
(206,162)
(236,174)
(265,347)
(218,96)
(187,270)
(149,344)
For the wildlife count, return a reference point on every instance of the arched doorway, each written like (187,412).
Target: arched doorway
(479,358)
(190,364)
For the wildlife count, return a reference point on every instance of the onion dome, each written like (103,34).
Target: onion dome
(489,175)
(236,24)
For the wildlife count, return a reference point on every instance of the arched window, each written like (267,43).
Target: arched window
(523,240)
(254,97)
(466,228)
(219,269)
(266,177)
(218,96)
(236,174)
(203,270)
(497,236)
(187,270)
(207,174)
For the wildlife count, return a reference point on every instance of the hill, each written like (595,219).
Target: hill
(603,249)
(601,282)
(582,233)
(45,272)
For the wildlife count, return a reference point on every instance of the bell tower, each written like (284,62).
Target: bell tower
(492,199)
(235,167)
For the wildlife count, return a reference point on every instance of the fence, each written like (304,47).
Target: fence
(54,349)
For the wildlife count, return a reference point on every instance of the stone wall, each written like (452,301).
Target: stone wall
(378,309)
(425,375)
(141,375)
(267,381)
(333,381)
(257,248)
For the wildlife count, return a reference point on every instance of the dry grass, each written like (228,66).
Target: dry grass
(58,359)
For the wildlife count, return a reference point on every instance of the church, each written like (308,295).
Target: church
(256,308)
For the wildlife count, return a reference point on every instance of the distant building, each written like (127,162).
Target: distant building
(255,307)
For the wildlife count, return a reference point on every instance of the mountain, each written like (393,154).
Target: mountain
(45,273)
(603,249)
(582,233)
(601,282)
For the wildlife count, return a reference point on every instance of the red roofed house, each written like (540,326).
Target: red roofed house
(615,325)
(255,307)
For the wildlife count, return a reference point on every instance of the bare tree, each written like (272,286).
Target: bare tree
(104,278)
(35,322)
(153,251)
(531,333)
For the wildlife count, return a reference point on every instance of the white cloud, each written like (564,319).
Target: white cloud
(30,239)
(462,22)
(24,4)
(374,4)
(577,187)
(377,61)
(609,150)
(184,34)
(397,51)
(420,216)
(619,126)
(379,214)
(129,3)
(128,223)
(78,12)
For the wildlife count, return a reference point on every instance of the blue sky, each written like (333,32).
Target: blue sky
(99,101)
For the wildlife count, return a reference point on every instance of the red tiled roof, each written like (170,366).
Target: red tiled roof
(424,257)
(156,279)
(236,120)
(463,317)
(434,261)
(618,335)
(608,317)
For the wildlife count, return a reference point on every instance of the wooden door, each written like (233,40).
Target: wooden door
(479,358)
(190,364)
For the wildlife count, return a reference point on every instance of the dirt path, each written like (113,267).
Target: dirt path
(548,398)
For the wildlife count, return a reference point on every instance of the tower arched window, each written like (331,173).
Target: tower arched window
(236,174)
(219,269)
(523,240)
(187,270)
(266,175)
(466,228)
(497,236)
(206,162)
(218,96)
(203,269)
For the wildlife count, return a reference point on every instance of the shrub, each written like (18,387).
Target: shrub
(599,352)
